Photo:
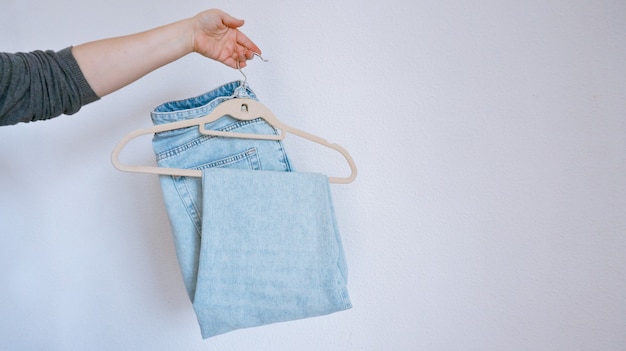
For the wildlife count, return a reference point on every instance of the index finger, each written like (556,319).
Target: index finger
(244,41)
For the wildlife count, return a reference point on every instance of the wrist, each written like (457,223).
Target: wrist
(188,35)
(181,40)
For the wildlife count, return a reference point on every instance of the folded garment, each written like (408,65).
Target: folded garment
(270,250)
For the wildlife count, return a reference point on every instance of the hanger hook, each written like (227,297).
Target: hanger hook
(244,84)
(261,57)
(245,78)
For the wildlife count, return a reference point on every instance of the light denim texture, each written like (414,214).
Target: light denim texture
(235,280)
(271,250)
(188,148)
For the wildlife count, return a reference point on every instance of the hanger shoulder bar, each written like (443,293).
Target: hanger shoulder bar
(240,108)
(244,109)
(336,147)
(147,169)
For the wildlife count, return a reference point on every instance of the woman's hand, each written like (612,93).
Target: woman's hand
(216,36)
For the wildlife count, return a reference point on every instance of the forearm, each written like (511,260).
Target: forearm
(113,63)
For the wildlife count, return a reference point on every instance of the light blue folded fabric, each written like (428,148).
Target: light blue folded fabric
(270,250)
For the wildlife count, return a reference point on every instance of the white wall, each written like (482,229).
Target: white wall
(489,212)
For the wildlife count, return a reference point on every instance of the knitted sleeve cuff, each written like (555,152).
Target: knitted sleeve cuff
(87,94)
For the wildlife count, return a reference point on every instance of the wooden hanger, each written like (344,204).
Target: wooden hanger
(240,108)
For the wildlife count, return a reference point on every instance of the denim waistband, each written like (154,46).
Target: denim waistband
(201,105)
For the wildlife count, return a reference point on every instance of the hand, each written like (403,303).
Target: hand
(216,36)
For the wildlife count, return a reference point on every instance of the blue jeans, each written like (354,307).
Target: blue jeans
(187,148)
(271,250)
(256,243)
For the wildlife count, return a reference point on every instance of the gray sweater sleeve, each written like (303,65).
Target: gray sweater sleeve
(40,85)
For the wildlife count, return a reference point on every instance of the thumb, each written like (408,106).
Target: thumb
(231,21)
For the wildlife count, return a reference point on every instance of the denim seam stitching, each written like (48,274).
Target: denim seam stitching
(189,204)
(246,155)
(203,138)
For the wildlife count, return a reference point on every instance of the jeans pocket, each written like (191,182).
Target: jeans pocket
(248,159)
(189,189)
